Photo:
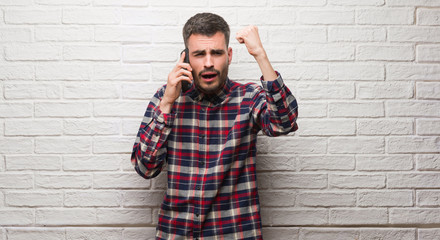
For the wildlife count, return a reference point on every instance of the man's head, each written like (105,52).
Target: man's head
(206,35)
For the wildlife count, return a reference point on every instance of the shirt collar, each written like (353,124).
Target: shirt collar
(214,99)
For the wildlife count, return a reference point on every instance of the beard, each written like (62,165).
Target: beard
(213,87)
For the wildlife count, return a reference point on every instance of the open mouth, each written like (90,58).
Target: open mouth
(209,76)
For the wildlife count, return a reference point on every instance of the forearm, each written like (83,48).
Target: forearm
(266,68)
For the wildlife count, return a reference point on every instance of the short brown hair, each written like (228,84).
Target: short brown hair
(206,24)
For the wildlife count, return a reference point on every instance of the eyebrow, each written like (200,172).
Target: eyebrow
(212,51)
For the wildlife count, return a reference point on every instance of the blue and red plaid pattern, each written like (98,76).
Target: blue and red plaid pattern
(208,144)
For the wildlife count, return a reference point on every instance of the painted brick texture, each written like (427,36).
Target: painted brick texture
(76,77)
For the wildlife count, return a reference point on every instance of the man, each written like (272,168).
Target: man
(207,135)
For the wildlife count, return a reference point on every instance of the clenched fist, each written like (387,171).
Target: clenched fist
(251,38)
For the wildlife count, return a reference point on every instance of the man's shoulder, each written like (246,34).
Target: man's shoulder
(245,86)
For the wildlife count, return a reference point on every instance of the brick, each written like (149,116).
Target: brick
(325,53)
(328,234)
(385,90)
(414,34)
(19,145)
(428,127)
(292,181)
(79,233)
(428,198)
(123,34)
(385,127)
(429,17)
(353,181)
(326,162)
(413,144)
(122,72)
(56,71)
(428,53)
(97,162)
(358,216)
(33,162)
(91,91)
(413,108)
(16,217)
(357,2)
(137,232)
(420,216)
(119,180)
(303,34)
(313,109)
(16,109)
(92,199)
(357,34)
(92,53)
(280,53)
(142,198)
(33,127)
(71,145)
(385,53)
(34,199)
(226,3)
(112,145)
(327,199)
(424,72)
(16,181)
(60,109)
(385,198)
(426,234)
(384,163)
(428,162)
(140,90)
(356,109)
(292,145)
(15,35)
(260,17)
(119,108)
(32,16)
(149,17)
(281,198)
(33,52)
(428,90)
(91,127)
(123,216)
(326,17)
(327,127)
(388,234)
(150,53)
(280,233)
(16,72)
(65,216)
(32,91)
(91,16)
(63,181)
(424,3)
(166,35)
(298,3)
(325,91)
(356,145)
(121,3)
(63,34)
(356,72)
(413,180)
(385,16)
(64,2)
(296,217)
(15,2)
(304,72)
(275,163)
(24,233)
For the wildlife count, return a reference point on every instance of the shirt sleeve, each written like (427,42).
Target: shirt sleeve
(149,150)
(275,108)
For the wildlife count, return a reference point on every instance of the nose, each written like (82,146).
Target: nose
(208,61)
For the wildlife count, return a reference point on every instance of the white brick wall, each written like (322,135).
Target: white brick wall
(76,77)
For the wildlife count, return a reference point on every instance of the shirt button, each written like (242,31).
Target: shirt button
(198,187)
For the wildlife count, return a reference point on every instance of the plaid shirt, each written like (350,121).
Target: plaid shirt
(209,145)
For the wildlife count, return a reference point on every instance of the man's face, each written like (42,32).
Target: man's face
(210,59)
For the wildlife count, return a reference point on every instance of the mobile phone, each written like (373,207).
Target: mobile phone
(186,85)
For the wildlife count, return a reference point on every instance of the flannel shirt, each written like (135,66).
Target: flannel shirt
(208,144)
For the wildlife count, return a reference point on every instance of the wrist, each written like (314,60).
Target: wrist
(166,106)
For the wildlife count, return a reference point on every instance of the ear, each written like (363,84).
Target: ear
(229,55)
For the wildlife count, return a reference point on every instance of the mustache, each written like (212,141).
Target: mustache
(209,70)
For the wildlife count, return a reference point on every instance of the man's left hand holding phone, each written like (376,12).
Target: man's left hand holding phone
(177,78)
